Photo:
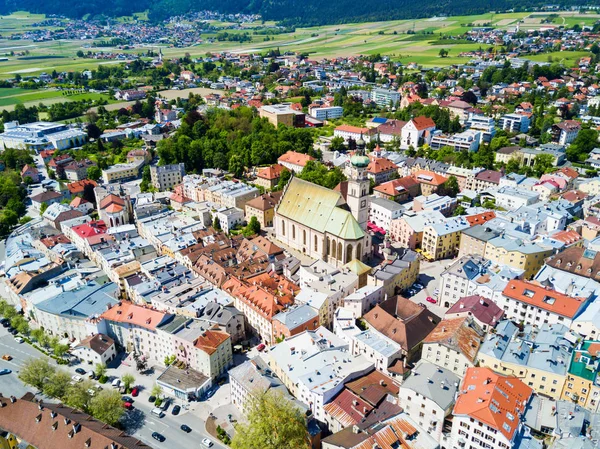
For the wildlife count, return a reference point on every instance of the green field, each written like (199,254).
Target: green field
(390,38)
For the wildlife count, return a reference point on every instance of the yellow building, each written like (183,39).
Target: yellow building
(280,114)
(263,208)
(442,240)
(397,276)
(9,441)
(583,383)
(539,356)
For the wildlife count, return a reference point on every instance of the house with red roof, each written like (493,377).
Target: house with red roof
(381,170)
(416,132)
(484,312)
(488,411)
(29,171)
(268,177)
(294,161)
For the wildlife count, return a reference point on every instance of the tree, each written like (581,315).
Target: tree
(253,227)
(273,423)
(43,208)
(107,406)
(283,179)
(40,336)
(36,372)
(94,173)
(460,210)
(170,359)
(78,396)
(443,52)
(100,370)
(236,165)
(60,349)
(146,179)
(543,163)
(451,187)
(128,380)
(513,165)
(217,223)
(20,324)
(156,391)
(93,131)
(57,385)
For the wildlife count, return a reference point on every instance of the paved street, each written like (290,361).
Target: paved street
(139,421)
(429,277)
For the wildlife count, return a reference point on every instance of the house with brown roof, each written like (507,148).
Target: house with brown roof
(406,324)
(77,170)
(263,208)
(486,179)
(399,190)
(381,170)
(97,348)
(453,344)
(29,171)
(484,312)
(114,210)
(52,426)
(268,177)
(429,181)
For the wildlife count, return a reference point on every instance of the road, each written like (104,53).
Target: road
(429,277)
(139,421)
(39,164)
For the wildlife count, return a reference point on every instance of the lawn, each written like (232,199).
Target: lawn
(568,58)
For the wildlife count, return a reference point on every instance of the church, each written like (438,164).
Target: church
(320,223)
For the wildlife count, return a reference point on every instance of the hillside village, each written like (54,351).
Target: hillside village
(410,256)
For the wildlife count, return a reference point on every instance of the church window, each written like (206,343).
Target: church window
(304,237)
(359,252)
(316,243)
(294,232)
(282,227)
(340,256)
(333,251)
(348,253)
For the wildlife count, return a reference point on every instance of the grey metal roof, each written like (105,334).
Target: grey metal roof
(87,301)
(433,382)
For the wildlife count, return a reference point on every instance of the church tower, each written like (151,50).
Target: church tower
(358,185)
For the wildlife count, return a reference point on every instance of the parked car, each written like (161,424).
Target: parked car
(431,300)
(7,357)
(116,383)
(80,371)
(185,428)
(418,286)
(260,347)
(127,399)
(77,378)
(19,340)
(5,371)
(206,442)
(152,399)
(127,405)
(158,437)
(91,375)
(13,331)
(135,392)
(176,410)
(91,392)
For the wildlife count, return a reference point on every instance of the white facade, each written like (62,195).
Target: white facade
(512,198)
(329,113)
(230,218)
(442,355)
(514,123)
(466,140)
(385,97)
(412,136)
(382,212)
(486,126)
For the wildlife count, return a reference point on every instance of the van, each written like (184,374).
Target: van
(158,412)
(116,383)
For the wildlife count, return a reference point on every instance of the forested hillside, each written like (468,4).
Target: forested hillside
(294,12)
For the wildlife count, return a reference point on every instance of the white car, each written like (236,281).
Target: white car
(206,442)
(77,378)
(91,392)
(19,340)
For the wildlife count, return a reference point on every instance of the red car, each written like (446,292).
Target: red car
(128,405)
(135,392)
(431,300)
(260,347)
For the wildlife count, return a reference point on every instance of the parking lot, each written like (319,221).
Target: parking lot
(429,278)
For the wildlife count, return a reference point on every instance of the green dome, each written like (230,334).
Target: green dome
(360,160)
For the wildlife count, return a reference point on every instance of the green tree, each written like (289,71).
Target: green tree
(40,336)
(78,396)
(542,164)
(128,380)
(107,406)
(443,52)
(156,391)
(100,370)
(236,165)
(36,372)
(94,173)
(460,210)
(146,179)
(217,223)
(252,228)
(43,208)
(283,179)
(586,141)
(60,349)
(272,423)
(513,165)
(57,385)
(451,187)
(20,324)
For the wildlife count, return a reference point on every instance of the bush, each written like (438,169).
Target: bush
(103,379)
(158,402)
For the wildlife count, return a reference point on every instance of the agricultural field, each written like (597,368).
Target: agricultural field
(404,40)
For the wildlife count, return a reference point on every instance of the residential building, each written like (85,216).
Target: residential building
(514,123)
(534,304)
(229,218)
(484,312)
(408,229)
(396,276)
(466,140)
(417,132)
(488,411)
(484,124)
(165,177)
(434,202)
(382,212)
(511,198)
(122,172)
(565,132)
(263,208)
(294,161)
(96,349)
(314,366)
(29,171)
(294,321)
(442,240)
(268,177)
(485,180)
(399,190)
(326,113)
(583,377)
(427,395)
(385,98)
(453,344)
(381,170)
(355,133)
(77,170)
(539,356)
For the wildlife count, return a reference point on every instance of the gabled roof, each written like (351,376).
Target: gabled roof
(493,399)
(423,122)
(127,312)
(266,201)
(381,165)
(459,334)
(295,158)
(483,309)
(210,340)
(271,172)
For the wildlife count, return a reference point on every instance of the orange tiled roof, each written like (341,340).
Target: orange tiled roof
(480,218)
(272,172)
(127,312)
(210,340)
(293,157)
(381,165)
(490,398)
(542,297)
(429,177)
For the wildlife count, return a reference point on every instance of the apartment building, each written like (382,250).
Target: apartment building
(466,140)
(282,114)
(263,208)
(534,304)
(442,240)
(122,172)
(382,212)
(514,123)
(583,377)
(485,125)
(488,411)
(398,275)
(165,177)
(294,161)
(453,344)
(408,229)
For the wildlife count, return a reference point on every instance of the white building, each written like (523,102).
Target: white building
(417,132)
(165,177)
(427,396)
(486,126)
(96,349)
(512,198)
(514,123)
(41,136)
(327,113)
(382,212)
(229,218)
(385,97)
(466,140)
